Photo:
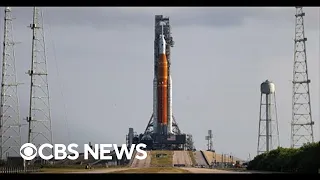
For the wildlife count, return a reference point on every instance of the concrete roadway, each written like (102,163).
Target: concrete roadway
(200,159)
(142,163)
(182,157)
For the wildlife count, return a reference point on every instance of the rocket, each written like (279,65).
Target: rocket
(162,93)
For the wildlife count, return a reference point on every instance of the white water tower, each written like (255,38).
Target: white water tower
(268,138)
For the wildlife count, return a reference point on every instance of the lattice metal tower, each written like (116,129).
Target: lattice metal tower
(190,143)
(301,124)
(209,139)
(10,139)
(162,24)
(268,136)
(39,118)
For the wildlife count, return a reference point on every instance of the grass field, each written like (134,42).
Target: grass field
(63,170)
(233,169)
(59,166)
(154,170)
(163,161)
(70,169)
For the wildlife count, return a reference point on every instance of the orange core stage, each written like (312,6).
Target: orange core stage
(162,89)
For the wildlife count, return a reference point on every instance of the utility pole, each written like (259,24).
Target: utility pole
(39,118)
(222,158)
(10,138)
(301,124)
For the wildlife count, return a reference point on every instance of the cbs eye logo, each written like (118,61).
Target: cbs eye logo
(28,151)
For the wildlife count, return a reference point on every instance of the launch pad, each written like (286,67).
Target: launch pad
(160,142)
(162,131)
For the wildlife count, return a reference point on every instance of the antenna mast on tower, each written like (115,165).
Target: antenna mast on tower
(39,118)
(301,124)
(10,138)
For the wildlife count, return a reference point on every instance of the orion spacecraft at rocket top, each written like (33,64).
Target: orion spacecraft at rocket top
(162,93)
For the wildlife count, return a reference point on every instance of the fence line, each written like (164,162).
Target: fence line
(17,169)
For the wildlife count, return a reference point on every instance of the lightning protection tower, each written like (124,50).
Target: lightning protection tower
(268,137)
(39,118)
(10,139)
(301,124)
(209,139)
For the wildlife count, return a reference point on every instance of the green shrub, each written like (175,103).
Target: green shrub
(304,159)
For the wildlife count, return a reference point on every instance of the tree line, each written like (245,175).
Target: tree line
(305,159)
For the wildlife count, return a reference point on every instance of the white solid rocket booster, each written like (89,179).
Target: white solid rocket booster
(170,116)
(155,104)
